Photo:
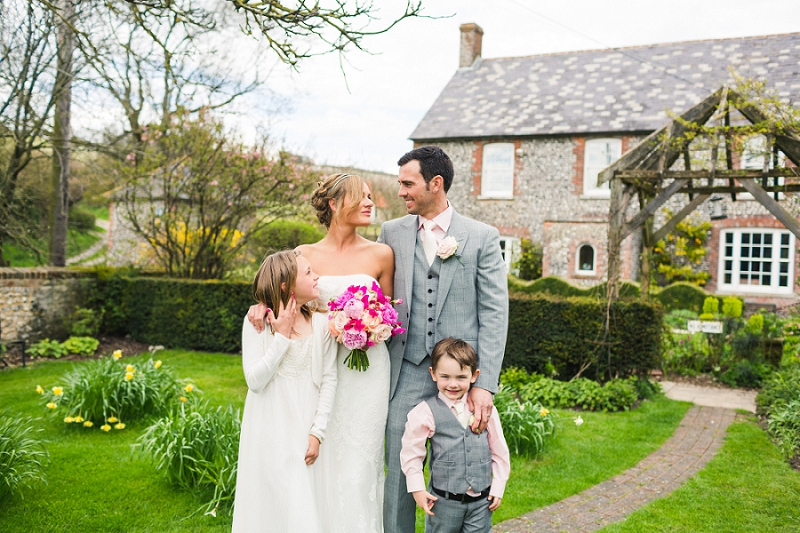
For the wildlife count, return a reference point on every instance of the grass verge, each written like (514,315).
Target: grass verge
(748,486)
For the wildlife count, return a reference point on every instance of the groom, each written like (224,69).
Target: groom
(463,294)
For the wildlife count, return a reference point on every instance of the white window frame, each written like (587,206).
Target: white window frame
(597,155)
(578,270)
(509,248)
(497,170)
(753,158)
(730,255)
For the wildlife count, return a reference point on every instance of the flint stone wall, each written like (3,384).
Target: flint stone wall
(34,301)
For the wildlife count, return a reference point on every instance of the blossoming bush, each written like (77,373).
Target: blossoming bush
(23,457)
(196,446)
(108,393)
(526,425)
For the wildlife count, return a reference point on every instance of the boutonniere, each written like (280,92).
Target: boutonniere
(447,249)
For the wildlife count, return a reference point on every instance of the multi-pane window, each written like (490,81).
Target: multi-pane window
(598,154)
(585,259)
(497,171)
(757,260)
(508,249)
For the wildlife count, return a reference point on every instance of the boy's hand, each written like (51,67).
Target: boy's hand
(424,500)
(495,502)
(313,450)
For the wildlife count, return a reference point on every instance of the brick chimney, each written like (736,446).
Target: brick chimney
(471,37)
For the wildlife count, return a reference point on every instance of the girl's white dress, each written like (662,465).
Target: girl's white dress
(291,386)
(352,453)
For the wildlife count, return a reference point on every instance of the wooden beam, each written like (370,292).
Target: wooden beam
(789,144)
(683,213)
(643,154)
(654,175)
(772,206)
(654,204)
(727,189)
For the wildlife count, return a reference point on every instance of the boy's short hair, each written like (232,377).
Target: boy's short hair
(461,351)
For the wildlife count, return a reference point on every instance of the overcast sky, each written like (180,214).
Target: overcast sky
(389,92)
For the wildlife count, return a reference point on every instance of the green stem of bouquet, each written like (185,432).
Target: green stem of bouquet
(357,360)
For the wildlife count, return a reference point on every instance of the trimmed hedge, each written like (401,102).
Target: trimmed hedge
(558,287)
(682,295)
(546,332)
(177,313)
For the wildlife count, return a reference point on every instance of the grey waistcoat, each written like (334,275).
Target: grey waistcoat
(422,322)
(460,459)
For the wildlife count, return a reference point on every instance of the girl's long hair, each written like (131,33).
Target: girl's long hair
(275,281)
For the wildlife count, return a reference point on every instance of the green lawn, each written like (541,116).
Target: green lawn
(77,242)
(96,482)
(747,487)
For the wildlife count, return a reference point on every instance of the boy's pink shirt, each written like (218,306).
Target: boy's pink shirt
(421,426)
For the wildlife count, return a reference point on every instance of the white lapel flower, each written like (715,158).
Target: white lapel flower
(447,249)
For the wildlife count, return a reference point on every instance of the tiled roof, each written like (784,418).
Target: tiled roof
(624,89)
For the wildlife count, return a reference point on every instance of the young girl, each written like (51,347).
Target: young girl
(291,378)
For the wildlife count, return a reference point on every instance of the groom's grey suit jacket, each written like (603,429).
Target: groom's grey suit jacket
(472,297)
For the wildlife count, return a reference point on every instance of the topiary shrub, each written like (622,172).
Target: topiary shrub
(682,295)
(284,235)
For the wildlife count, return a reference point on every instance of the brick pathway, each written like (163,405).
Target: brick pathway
(694,443)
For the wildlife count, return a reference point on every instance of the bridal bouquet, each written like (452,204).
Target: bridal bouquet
(361,318)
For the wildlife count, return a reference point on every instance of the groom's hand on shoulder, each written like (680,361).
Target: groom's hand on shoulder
(481,402)
(424,500)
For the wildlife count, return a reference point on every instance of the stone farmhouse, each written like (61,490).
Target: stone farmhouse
(528,136)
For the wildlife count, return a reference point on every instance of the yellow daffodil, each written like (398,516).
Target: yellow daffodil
(544,412)
(105,427)
(119,426)
(68,420)
(58,391)
(117,355)
(184,399)
(157,364)
(112,419)
(128,376)
(78,419)
(52,405)
(39,389)
(130,369)
(189,388)
(88,424)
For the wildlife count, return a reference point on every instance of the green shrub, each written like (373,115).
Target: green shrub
(529,263)
(285,235)
(615,395)
(755,324)
(81,220)
(679,318)
(779,389)
(23,457)
(568,333)
(745,374)
(81,345)
(108,391)
(84,322)
(176,313)
(682,295)
(732,307)
(784,425)
(515,378)
(196,447)
(526,426)
(685,353)
(710,306)
(46,348)
(556,286)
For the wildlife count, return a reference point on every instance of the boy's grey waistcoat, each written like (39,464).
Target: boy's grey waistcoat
(460,459)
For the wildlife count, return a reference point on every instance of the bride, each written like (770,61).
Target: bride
(351,457)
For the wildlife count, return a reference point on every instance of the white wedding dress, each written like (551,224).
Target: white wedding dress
(351,455)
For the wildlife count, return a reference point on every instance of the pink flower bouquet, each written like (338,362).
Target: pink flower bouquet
(361,318)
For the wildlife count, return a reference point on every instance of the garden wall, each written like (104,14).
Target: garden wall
(34,301)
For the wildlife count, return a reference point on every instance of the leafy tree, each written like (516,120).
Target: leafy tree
(196,195)
(529,262)
(679,256)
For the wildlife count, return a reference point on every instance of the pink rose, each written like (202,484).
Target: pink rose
(354,339)
(382,333)
(389,315)
(447,247)
(332,329)
(340,321)
(354,308)
(370,320)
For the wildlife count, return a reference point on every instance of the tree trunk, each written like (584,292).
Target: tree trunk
(62,136)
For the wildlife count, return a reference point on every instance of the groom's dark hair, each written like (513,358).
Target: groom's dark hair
(432,162)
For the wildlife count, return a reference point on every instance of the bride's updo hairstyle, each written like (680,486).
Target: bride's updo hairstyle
(275,281)
(338,187)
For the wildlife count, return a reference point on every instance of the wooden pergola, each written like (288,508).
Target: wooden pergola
(644,171)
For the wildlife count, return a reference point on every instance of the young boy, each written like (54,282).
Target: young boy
(468,471)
